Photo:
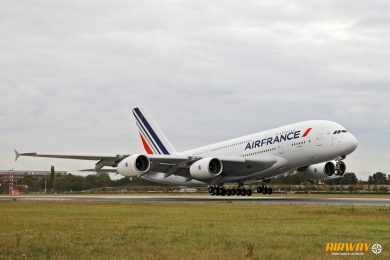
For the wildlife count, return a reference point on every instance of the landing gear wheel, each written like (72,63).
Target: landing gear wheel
(212,190)
(228,192)
(215,190)
(264,190)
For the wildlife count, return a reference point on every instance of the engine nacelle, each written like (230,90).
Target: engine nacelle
(324,170)
(134,165)
(206,168)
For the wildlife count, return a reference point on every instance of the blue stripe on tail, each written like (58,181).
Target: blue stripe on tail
(143,130)
(150,130)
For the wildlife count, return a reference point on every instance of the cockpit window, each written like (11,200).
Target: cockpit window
(336,132)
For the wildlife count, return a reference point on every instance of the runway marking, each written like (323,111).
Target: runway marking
(204,198)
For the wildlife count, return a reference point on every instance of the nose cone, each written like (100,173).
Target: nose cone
(353,142)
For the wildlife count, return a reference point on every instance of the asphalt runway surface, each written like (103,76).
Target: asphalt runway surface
(199,198)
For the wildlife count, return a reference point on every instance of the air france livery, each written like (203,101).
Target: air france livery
(315,148)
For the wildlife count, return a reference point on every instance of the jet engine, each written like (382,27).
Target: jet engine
(206,168)
(134,165)
(324,170)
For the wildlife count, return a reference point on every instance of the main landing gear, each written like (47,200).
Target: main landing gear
(222,191)
(264,189)
(216,190)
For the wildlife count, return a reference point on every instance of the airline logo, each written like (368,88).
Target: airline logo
(150,140)
(295,134)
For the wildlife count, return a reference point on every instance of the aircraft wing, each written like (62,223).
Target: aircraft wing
(170,164)
(29,172)
(232,166)
(102,161)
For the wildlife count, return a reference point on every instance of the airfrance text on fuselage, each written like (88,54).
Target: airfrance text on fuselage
(273,140)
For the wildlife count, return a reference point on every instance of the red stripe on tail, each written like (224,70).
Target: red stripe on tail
(146,146)
(307,132)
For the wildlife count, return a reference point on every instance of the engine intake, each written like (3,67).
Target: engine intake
(142,163)
(328,168)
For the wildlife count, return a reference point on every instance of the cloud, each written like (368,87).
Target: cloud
(71,71)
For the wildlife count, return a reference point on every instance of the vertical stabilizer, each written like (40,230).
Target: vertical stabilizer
(152,138)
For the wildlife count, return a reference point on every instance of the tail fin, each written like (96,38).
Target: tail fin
(152,138)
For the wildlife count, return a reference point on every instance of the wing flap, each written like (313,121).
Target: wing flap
(242,167)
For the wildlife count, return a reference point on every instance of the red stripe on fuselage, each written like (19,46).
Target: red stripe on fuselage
(146,146)
(307,132)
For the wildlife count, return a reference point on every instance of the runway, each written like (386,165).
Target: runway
(199,198)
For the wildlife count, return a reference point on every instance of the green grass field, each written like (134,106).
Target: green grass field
(49,230)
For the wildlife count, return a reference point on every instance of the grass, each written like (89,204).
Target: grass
(49,230)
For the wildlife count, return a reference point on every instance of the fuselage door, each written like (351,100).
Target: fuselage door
(319,139)
(336,139)
(282,149)
(283,146)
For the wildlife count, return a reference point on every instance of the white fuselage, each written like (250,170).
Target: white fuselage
(296,145)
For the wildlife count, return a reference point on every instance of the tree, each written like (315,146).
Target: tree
(377,178)
(348,178)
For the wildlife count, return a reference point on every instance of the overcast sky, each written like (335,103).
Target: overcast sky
(70,71)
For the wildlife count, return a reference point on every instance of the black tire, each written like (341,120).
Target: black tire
(228,192)
(249,192)
(265,190)
(223,191)
(269,190)
(234,192)
(260,189)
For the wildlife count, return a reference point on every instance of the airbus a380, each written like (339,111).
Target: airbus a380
(315,148)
